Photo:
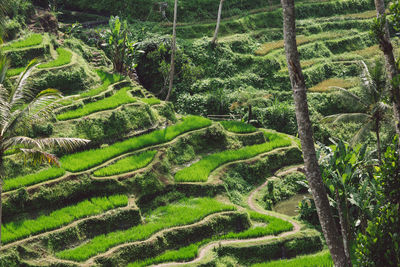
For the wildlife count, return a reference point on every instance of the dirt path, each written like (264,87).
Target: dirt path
(254,206)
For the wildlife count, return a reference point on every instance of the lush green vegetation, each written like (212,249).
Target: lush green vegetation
(320,259)
(184,212)
(151,101)
(200,171)
(123,96)
(15,72)
(31,40)
(34,178)
(273,226)
(107,79)
(87,159)
(64,58)
(238,127)
(127,164)
(24,228)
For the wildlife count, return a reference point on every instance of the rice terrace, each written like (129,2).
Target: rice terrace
(199,133)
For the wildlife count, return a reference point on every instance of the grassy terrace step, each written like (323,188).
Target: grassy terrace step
(17,230)
(121,97)
(151,101)
(31,40)
(35,178)
(15,72)
(87,159)
(274,226)
(238,127)
(107,79)
(200,171)
(184,212)
(64,58)
(127,164)
(319,259)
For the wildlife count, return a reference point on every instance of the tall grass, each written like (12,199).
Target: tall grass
(31,40)
(274,226)
(121,97)
(90,158)
(184,212)
(31,179)
(107,80)
(24,228)
(200,171)
(127,164)
(238,127)
(64,58)
(321,259)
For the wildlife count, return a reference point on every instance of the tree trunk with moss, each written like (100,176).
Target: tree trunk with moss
(313,173)
(173,52)
(392,71)
(2,174)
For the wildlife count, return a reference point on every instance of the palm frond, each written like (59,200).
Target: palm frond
(21,93)
(40,107)
(38,156)
(347,117)
(350,95)
(4,64)
(68,144)
(364,130)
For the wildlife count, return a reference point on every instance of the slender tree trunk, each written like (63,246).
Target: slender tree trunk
(214,40)
(386,46)
(378,141)
(250,114)
(173,48)
(2,174)
(343,227)
(313,173)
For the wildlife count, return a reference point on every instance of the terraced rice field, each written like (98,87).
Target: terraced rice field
(97,188)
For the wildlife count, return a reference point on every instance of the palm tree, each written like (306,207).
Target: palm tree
(371,101)
(19,106)
(313,172)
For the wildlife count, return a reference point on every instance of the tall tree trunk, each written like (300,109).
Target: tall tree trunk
(378,140)
(173,48)
(214,40)
(386,46)
(343,227)
(313,173)
(2,174)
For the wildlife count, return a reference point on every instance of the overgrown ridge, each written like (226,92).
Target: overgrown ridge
(155,187)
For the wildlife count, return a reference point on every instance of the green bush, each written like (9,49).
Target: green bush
(17,230)
(31,179)
(184,212)
(127,164)
(238,127)
(64,58)
(87,159)
(200,171)
(121,97)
